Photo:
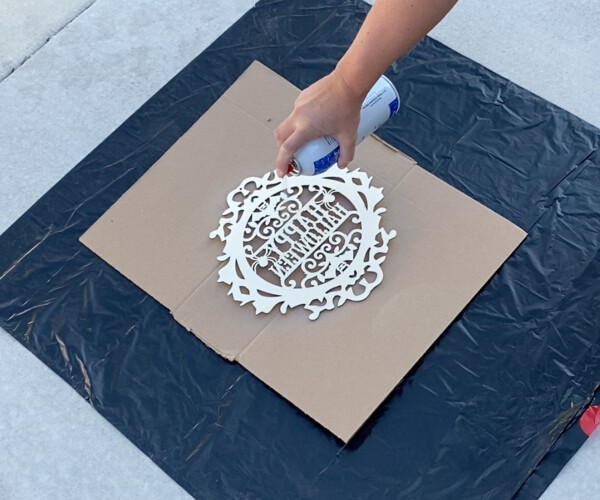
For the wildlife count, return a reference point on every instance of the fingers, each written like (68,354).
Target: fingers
(284,157)
(325,108)
(347,146)
(289,141)
(283,131)
(289,145)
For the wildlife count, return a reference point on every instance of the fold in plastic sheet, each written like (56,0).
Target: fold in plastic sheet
(486,403)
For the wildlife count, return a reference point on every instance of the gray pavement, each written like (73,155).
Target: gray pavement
(71,71)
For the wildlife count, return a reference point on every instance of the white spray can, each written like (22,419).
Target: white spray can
(316,156)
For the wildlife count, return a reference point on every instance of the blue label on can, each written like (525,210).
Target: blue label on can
(324,163)
(394,106)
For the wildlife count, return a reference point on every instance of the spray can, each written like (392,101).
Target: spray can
(316,156)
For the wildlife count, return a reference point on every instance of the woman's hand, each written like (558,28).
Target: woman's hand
(331,106)
(328,107)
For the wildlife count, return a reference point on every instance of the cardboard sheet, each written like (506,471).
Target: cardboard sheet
(339,368)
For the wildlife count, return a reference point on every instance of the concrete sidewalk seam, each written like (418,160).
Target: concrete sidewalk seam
(43,44)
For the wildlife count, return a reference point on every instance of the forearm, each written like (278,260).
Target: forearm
(331,106)
(390,30)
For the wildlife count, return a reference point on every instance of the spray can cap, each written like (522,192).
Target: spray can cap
(293,168)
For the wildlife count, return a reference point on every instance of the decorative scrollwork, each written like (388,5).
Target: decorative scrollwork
(303,240)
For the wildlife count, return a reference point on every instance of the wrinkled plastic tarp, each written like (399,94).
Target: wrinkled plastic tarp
(474,417)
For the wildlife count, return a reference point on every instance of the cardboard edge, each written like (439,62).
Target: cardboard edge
(520,236)
(340,435)
(516,236)
(238,354)
(230,356)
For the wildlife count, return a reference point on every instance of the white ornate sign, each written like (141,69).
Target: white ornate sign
(307,240)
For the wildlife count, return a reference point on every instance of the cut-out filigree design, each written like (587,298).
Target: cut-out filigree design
(307,240)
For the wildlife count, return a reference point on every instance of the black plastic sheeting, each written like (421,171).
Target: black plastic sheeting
(476,415)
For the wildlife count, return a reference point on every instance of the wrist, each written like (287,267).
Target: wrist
(357,78)
(352,87)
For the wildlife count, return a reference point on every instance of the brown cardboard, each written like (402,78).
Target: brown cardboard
(339,368)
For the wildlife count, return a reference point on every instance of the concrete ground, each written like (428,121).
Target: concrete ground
(71,71)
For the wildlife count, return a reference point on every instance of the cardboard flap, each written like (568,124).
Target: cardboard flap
(157,233)
(207,313)
(339,368)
